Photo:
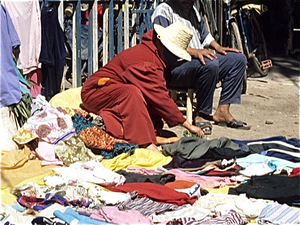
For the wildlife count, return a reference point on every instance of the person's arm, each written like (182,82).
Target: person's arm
(149,78)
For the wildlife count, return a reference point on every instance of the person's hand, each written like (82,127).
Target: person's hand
(222,50)
(193,129)
(201,54)
(196,130)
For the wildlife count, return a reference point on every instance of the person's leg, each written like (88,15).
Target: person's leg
(124,112)
(203,78)
(232,68)
(156,119)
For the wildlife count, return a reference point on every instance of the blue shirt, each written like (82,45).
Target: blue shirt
(10,92)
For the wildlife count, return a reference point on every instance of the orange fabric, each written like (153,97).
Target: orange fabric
(102,81)
(180,184)
(95,137)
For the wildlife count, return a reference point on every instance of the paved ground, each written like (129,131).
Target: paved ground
(270,106)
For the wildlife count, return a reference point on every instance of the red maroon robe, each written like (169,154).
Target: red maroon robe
(135,97)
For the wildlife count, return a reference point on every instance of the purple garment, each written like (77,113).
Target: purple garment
(10,92)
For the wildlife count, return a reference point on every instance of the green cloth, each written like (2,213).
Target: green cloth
(195,147)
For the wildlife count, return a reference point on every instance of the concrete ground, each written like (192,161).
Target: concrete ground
(270,105)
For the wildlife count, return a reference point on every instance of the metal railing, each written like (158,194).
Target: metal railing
(124,21)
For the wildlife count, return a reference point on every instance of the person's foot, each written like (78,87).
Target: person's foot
(166,140)
(223,117)
(222,114)
(153,147)
(204,124)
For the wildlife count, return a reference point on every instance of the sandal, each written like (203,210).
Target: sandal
(234,124)
(204,125)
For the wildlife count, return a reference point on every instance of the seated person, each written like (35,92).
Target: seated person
(206,68)
(130,92)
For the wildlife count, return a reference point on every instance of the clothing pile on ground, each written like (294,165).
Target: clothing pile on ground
(68,170)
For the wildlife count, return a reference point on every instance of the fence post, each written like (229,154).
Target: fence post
(126,24)
(111,43)
(95,36)
(105,35)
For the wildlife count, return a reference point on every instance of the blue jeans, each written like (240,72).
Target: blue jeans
(228,68)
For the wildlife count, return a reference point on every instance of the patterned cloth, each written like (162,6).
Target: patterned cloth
(201,37)
(42,203)
(232,218)
(74,150)
(50,124)
(119,148)
(147,206)
(279,214)
(92,135)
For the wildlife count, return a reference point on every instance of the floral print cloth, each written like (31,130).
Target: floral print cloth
(92,135)
(50,125)
(74,150)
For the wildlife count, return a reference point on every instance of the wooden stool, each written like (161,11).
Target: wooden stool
(189,103)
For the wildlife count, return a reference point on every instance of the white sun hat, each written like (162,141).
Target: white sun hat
(176,38)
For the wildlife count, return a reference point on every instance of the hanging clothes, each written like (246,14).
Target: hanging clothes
(10,92)
(53,51)
(26,17)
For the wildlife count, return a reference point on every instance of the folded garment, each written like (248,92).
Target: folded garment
(72,217)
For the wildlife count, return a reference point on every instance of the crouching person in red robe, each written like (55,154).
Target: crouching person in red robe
(130,92)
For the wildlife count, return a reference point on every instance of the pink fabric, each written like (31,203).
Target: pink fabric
(35,80)
(113,215)
(144,171)
(46,152)
(205,181)
(26,16)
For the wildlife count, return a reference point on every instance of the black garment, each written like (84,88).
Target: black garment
(224,153)
(273,187)
(259,148)
(212,155)
(40,220)
(293,141)
(158,179)
(180,162)
(53,52)
(281,155)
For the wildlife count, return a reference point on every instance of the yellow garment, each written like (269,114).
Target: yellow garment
(15,159)
(259,8)
(23,136)
(6,194)
(222,190)
(142,158)
(70,98)
(19,165)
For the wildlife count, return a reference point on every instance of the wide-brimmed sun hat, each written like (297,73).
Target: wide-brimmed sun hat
(176,38)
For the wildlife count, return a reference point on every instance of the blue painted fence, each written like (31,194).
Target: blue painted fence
(124,22)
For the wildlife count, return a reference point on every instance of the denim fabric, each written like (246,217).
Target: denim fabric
(228,68)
